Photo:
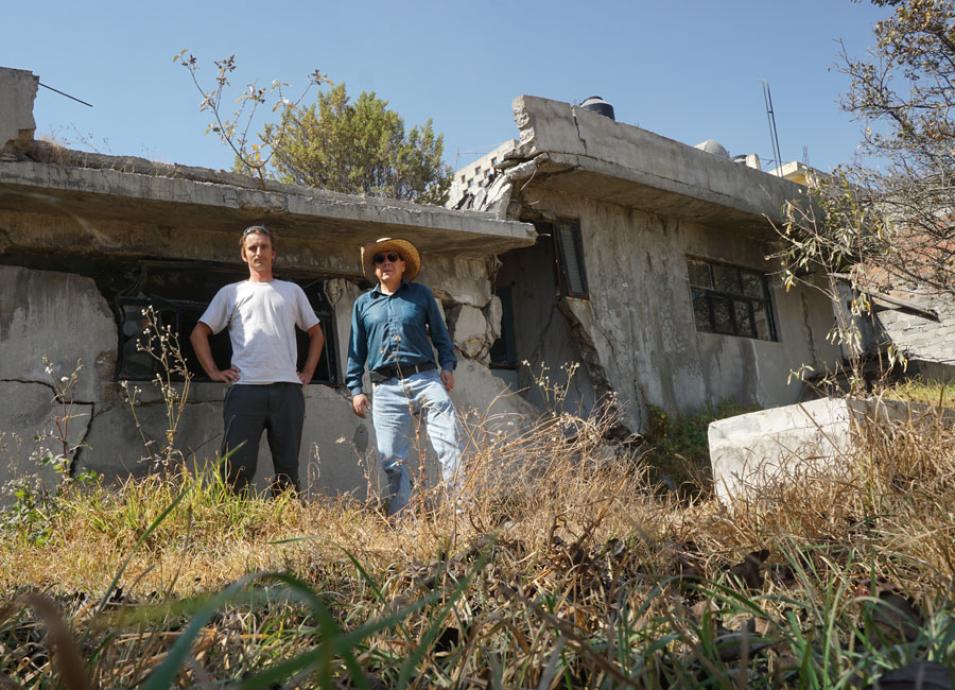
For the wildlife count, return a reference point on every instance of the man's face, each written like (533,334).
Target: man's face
(388,265)
(257,252)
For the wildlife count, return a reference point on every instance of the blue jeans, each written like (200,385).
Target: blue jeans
(394,404)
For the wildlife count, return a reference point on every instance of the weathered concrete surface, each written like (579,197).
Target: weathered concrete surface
(783,444)
(35,424)
(795,442)
(620,163)
(543,336)
(62,317)
(17,93)
(469,331)
(117,447)
(457,280)
(486,403)
(158,196)
(636,332)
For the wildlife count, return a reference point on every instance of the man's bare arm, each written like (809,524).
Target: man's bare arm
(316,340)
(200,345)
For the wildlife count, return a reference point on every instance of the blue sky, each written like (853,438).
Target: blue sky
(690,70)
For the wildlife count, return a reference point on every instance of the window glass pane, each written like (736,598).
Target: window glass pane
(701,310)
(744,321)
(752,284)
(700,275)
(572,263)
(761,318)
(722,314)
(726,278)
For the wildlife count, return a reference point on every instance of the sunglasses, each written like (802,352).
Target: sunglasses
(256,229)
(391,257)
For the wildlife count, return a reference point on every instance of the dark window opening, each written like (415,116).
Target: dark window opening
(569,255)
(504,349)
(179,293)
(730,300)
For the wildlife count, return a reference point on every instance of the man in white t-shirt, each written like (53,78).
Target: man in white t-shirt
(265,392)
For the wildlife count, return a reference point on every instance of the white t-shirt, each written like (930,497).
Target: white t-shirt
(261,318)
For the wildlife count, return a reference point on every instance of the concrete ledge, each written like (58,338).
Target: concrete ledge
(154,190)
(575,139)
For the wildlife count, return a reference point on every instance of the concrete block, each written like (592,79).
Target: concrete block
(58,315)
(792,443)
(469,331)
(17,93)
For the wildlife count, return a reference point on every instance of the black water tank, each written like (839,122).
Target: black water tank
(599,106)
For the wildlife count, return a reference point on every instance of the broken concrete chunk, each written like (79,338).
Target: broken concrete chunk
(799,442)
(469,331)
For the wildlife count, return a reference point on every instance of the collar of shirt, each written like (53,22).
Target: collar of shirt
(376,291)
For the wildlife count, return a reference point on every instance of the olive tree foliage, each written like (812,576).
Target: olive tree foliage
(360,147)
(889,221)
(357,147)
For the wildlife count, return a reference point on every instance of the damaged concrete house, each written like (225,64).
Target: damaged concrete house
(86,241)
(649,266)
(585,240)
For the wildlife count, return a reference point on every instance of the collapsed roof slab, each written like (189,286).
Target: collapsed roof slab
(582,152)
(199,202)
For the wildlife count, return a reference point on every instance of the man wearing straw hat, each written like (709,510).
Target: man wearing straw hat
(392,330)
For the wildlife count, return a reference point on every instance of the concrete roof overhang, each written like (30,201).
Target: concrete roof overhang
(196,200)
(578,151)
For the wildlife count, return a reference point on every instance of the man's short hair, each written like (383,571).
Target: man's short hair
(257,230)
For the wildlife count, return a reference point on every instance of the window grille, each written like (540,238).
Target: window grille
(730,300)
(163,289)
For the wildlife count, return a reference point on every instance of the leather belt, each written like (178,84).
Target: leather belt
(399,371)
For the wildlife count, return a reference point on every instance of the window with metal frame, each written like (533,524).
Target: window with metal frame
(570,258)
(730,300)
(163,289)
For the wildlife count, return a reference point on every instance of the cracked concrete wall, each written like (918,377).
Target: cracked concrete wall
(639,318)
(64,317)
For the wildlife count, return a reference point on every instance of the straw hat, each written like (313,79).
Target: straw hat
(404,248)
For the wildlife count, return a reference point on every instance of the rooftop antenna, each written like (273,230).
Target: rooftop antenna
(805,154)
(773,135)
(63,93)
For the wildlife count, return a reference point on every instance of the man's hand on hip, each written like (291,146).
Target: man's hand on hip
(305,377)
(230,375)
(360,404)
(447,378)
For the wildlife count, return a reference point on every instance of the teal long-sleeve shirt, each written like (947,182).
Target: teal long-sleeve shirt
(396,329)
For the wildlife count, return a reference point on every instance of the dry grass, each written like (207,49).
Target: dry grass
(565,569)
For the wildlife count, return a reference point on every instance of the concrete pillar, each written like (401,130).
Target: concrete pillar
(17,93)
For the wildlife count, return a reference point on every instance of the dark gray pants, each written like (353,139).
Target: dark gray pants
(278,408)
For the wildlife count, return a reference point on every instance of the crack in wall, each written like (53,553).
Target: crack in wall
(57,396)
(75,460)
(573,114)
(811,336)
